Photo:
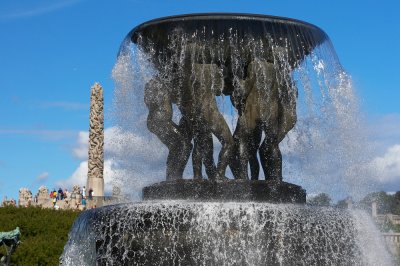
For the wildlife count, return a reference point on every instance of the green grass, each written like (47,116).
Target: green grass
(44,233)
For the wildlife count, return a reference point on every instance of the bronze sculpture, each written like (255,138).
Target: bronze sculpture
(201,57)
(159,99)
(269,107)
(10,240)
(207,82)
(200,118)
(264,105)
(196,61)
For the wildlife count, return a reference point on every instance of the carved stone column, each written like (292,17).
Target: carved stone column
(95,179)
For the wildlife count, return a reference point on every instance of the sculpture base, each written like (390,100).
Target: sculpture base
(226,190)
(97,184)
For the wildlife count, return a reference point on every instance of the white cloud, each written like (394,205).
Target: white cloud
(79,176)
(42,177)
(132,161)
(385,131)
(387,167)
(382,171)
(340,161)
(80,150)
(36,8)
(119,144)
(137,160)
(349,160)
(127,144)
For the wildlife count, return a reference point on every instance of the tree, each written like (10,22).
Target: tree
(321,199)
(385,203)
(342,204)
(396,205)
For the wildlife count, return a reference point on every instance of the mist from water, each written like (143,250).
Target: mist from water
(324,152)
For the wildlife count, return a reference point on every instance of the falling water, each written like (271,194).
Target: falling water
(190,233)
(324,152)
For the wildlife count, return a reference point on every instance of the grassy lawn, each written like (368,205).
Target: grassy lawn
(44,233)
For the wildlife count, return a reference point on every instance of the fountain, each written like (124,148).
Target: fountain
(191,72)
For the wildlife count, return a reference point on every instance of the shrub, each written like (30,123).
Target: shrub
(44,233)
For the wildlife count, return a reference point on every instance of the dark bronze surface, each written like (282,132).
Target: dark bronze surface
(227,190)
(214,25)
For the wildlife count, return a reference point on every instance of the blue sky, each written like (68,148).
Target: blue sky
(51,53)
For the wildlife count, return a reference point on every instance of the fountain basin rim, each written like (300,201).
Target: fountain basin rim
(221,16)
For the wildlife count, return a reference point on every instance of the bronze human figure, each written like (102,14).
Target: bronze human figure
(270,107)
(159,98)
(200,119)
(247,135)
(207,82)
(203,152)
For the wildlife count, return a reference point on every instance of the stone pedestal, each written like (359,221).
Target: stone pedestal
(227,190)
(97,184)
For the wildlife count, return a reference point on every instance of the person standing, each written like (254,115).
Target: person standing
(84,202)
(90,193)
(60,194)
(83,192)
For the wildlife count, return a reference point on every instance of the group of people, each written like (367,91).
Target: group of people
(90,193)
(61,194)
(85,197)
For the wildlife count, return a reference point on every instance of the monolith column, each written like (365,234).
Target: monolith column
(95,179)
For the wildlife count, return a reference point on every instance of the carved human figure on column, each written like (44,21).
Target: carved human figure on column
(96,141)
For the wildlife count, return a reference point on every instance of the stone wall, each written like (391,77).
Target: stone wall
(73,200)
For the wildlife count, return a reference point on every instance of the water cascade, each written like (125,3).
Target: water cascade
(253,100)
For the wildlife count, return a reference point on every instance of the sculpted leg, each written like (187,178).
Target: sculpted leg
(208,158)
(209,84)
(203,153)
(245,151)
(287,104)
(271,158)
(253,148)
(241,153)
(247,135)
(221,130)
(265,79)
(179,147)
(281,119)
(197,160)
(159,122)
